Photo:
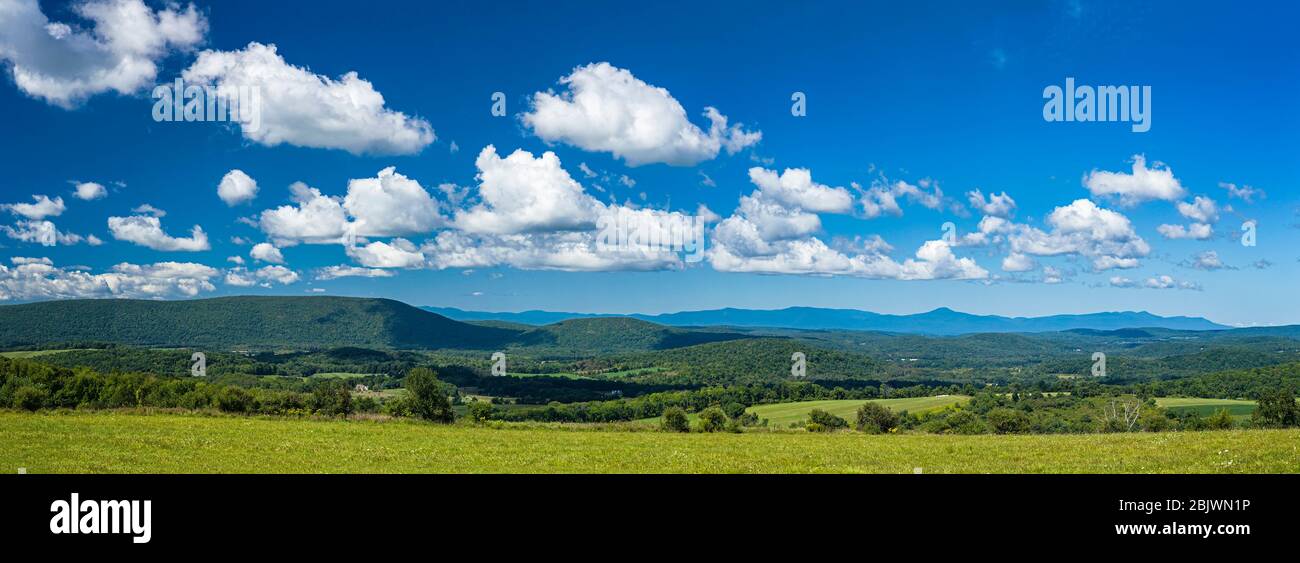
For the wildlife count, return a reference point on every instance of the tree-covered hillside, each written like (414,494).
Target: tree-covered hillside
(234,323)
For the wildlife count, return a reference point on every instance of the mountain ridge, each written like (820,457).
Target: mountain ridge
(939,321)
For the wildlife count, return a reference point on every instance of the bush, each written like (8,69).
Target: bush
(480,411)
(712,419)
(234,399)
(365,404)
(674,420)
(733,409)
(1220,420)
(824,421)
(29,397)
(747,419)
(399,407)
(963,421)
(876,418)
(428,398)
(1007,421)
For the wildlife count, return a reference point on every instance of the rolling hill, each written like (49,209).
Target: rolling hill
(243,323)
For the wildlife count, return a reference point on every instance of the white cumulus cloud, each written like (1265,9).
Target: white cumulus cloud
(118,51)
(147,231)
(38,279)
(1142,184)
(607,109)
(266,252)
(236,187)
(88,191)
(41,207)
(302,108)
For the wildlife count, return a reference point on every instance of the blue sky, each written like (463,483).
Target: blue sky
(924,102)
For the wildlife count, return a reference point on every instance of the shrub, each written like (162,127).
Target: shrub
(29,397)
(234,399)
(1220,420)
(824,421)
(712,419)
(733,409)
(1007,421)
(876,418)
(399,407)
(480,411)
(366,404)
(674,420)
(428,399)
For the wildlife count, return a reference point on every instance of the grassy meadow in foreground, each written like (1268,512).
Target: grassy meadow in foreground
(104,442)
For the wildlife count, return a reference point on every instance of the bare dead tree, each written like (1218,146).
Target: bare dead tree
(1128,417)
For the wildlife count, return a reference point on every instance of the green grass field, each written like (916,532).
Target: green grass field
(25,354)
(103,442)
(1239,410)
(780,415)
(341,375)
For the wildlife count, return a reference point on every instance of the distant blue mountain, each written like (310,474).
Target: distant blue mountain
(942,321)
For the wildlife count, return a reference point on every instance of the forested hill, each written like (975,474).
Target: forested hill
(243,322)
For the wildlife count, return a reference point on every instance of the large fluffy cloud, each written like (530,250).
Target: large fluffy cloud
(772,231)
(302,108)
(147,231)
(522,193)
(38,278)
(1103,236)
(119,51)
(316,218)
(1142,184)
(607,109)
(389,204)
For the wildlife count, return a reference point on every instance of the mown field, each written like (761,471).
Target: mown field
(1239,409)
(27,354)
(781,415)
(106,442)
